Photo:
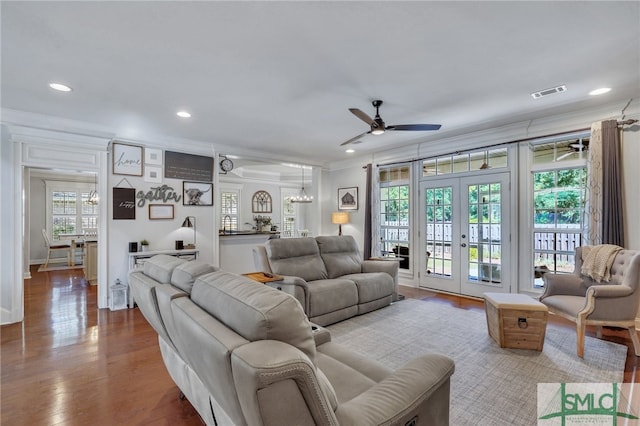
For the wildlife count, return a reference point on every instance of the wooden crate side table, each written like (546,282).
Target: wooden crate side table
(516,321)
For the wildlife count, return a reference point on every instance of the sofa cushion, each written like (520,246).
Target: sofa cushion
(340,255)
(161,266)
(372,285)
(331,295)
(296,257)
(253,310)
(185,275)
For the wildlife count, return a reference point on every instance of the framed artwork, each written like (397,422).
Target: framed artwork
(127,159)
(124,203)
(348,198)
(160,211)
(153,156)
(153,174)
(197,193)
(261,202)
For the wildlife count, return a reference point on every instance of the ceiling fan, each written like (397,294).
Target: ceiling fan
(378,127)
(575,147)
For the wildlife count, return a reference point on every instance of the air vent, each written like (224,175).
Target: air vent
(547,92)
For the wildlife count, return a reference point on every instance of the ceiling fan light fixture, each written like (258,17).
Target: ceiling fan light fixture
(377,131)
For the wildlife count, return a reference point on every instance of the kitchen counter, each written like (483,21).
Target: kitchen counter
(236,249)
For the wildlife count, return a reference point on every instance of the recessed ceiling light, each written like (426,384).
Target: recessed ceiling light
(600,91)
(183,114)
(350,150)
(60,87)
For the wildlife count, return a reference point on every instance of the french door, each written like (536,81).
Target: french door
(464,234)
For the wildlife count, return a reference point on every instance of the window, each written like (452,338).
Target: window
(229,202)
(492,158)
(558,206)
(69,210)
(289,214)
(394,213)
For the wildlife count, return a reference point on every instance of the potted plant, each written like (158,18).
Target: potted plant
(144,245)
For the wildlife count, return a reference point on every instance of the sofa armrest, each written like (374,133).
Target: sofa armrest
(391,267)
(320,334)
(277,384)
(418,389)
(295,286)
(565,284)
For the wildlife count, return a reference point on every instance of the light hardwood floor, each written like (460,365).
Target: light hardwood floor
(69,363)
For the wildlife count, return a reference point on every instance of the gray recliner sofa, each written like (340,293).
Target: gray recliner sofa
(328,276)
(246,354)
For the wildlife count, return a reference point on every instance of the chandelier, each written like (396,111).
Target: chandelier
(302,196)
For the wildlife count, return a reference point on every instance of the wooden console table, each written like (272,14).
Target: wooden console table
(137,259)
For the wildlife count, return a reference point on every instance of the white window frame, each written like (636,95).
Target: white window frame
(285,217)
(79,188)
(529,283)
(386,245)
(235,189)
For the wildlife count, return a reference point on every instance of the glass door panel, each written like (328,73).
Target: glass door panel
(462,228)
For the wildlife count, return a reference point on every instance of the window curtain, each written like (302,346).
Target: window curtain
(366,252)
(376,249)
(603,213)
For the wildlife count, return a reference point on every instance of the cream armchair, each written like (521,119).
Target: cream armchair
(586,302)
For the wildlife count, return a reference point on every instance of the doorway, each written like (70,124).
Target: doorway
(465,245)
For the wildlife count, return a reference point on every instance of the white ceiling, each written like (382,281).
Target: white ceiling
(279,77)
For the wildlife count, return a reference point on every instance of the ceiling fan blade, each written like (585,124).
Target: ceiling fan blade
(354,139)
(415,127)
(565,155)
(362,116)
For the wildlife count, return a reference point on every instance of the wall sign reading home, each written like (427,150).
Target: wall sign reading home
(127,159)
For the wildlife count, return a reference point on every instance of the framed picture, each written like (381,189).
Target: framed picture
(127,159)
(197,193)
(124,203)
(160,211)
(153,156)
(153,174)
(348,198)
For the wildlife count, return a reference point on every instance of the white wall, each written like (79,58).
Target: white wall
(354,176)
(631,184)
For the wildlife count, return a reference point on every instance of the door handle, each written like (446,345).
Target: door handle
(463,245)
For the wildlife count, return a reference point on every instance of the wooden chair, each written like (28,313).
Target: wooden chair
(55,247)
(581,299)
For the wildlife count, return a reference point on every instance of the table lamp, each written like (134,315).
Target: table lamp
(339,218)
(188,223)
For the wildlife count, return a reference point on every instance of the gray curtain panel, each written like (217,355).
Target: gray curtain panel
(612,210)
(366,252)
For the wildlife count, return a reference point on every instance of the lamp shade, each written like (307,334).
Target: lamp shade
(187,223)
(339,218)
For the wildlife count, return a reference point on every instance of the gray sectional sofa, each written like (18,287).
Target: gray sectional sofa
(328,276)
(246,354)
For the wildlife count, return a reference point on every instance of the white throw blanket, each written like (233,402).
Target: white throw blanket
(597,261)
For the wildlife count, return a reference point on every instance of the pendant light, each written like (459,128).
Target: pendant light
(302,196)
(93,195)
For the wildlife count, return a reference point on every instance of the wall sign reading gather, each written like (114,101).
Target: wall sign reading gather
(162,193)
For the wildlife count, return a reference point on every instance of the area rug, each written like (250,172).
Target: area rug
(490,386)
(58,267)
